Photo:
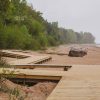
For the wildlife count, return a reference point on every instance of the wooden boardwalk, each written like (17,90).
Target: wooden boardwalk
(81,82)
(9,53)
(30,60)
(23,58)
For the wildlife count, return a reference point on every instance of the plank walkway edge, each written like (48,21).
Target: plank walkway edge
(33,74)
(32,66)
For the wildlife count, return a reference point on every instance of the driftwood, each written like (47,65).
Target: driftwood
(77,52)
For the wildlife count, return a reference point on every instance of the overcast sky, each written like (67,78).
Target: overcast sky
(79,15)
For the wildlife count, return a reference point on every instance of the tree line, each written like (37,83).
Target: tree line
(22,27)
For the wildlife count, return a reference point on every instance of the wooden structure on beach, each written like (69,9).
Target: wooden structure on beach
(9,53)
(81,82)
(23,58)
(33,66)
(54,53)
(30,60)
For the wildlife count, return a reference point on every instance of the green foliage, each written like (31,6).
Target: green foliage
(3,63)
(22,27)
(42,40)
(51,41)
(15,37)
(4,8)
(71,36)
(34,27)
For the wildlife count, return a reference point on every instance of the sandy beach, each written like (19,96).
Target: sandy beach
(92,57)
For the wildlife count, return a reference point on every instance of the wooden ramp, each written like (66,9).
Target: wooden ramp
(81,82)
(9,53)
(30,60)
(24,58)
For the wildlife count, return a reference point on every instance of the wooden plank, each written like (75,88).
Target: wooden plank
(33,74)
(39,77)
(55,53)
(32,66)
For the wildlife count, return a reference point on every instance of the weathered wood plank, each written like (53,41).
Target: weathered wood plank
(32,66)
(79,83)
